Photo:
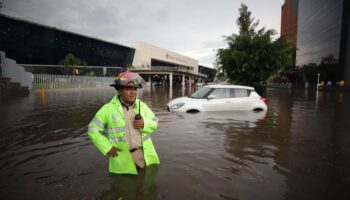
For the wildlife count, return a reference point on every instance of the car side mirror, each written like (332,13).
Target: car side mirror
(210,97)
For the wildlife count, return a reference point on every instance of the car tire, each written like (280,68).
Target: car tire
(258,109)
(192,111)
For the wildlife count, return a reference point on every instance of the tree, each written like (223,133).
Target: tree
(130,67)
(244,21)
(253,56)
(70,61)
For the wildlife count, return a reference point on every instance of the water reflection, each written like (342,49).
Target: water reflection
(292,151)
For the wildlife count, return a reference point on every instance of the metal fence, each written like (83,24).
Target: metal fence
(48,81)
(99,71)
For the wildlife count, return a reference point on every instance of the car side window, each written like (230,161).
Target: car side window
(237,93)
(220,93)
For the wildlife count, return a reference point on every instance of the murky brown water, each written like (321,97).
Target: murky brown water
(297,150)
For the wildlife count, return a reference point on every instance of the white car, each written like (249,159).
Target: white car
(219,98)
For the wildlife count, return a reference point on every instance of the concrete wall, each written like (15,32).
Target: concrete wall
(145,52)
(16,73)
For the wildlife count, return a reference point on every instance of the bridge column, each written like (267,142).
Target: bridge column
(170,92)
(171,80)
(150,80)
(190,81)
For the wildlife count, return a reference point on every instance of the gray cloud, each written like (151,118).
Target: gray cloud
(192,28)
(214,43)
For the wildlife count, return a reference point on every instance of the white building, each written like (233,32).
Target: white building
(153,61)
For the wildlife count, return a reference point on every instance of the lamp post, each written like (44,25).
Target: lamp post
(318,80)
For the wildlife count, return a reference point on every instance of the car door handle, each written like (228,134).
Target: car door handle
(228,102)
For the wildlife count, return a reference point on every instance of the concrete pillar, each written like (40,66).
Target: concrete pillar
(170,93)
(189,85)
(150,80)
(171,80)
(183,80)
(104,71)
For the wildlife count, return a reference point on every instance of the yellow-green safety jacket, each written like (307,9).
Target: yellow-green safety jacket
(110,120)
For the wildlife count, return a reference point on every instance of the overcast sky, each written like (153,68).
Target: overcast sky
(190,27)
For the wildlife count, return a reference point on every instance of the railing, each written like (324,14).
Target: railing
(175,69)
(48,81)
(168,68)
(107,71)
(10,69)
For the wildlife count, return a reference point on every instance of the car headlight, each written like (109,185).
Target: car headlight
(176,106)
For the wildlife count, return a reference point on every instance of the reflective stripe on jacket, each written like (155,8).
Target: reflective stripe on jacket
(107,129)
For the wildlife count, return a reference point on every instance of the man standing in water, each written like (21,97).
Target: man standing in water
(127,123)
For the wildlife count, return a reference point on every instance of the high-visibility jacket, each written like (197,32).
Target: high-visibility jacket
(109,120)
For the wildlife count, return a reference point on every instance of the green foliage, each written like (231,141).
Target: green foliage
(253,56)
(130,67)
(70,63)
(245,23)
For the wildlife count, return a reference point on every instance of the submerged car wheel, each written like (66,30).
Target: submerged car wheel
(257,109)
(192,111)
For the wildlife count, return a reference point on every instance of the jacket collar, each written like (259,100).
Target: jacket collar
(115,100)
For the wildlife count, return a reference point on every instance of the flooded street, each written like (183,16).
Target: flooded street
(296,150)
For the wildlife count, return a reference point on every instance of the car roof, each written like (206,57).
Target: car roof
(230,86)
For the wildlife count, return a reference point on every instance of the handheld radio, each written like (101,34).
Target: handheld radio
(138,116)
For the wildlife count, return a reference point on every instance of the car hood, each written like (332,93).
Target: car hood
(186,100)
(178,100)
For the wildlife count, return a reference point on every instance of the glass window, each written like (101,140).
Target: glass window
(235,93)
(201,93)
(29,43)
(220,93)
(319,30)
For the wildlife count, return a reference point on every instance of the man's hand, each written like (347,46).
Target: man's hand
(113,152)
(139,123)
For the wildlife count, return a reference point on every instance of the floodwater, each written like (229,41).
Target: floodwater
(298,149)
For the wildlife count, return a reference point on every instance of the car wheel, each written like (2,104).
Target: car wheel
(192,111)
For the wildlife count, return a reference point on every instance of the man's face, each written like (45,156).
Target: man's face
(128,94)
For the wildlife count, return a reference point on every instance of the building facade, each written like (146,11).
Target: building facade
(208,71)
(150,57)
(289,19)
(165,67)
(31,43)
(323,38)
(40,49)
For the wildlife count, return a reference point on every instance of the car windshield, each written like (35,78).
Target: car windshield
(201,93)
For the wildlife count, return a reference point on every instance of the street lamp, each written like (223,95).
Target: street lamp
(318,80)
